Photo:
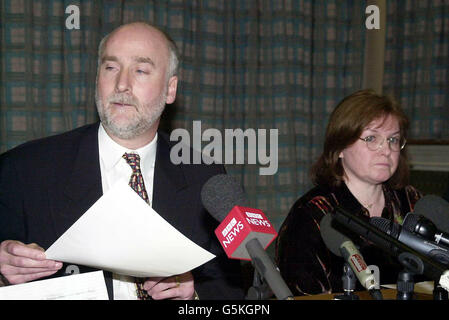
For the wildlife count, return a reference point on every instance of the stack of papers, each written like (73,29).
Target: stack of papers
(123,234)
(120,233)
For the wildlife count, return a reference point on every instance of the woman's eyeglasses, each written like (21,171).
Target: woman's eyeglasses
(374,142)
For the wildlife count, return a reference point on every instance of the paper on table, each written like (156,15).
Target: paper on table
(123,234)
(83,286)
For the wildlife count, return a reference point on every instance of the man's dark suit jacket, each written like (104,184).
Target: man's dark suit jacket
(47,184)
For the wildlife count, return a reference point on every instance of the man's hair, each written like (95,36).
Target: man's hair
(173,59)
(347,122)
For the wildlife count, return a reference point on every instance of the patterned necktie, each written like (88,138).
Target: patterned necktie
(136,182)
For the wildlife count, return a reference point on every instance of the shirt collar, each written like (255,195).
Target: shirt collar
(111,152)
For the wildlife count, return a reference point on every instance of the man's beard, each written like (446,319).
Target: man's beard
(138,122)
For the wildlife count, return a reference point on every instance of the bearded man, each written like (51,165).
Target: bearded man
(47,184)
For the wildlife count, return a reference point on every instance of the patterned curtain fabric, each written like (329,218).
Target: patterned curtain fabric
(47,71)
(257,64)
(269,65)
(417,64)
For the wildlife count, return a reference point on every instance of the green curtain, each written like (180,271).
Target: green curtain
(417,64)
(256,64)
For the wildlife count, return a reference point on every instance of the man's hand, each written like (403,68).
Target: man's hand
(178,287)
(21,262)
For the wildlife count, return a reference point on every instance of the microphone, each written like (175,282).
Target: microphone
(342,246)
(244,232)
(425,228)
(433,269)
(416,242)
(436,209)
(420,225)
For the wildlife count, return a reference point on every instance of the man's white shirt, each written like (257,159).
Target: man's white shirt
(115,169)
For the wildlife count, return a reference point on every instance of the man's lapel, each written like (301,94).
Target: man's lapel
(83,189)
(169,179)
(81,183)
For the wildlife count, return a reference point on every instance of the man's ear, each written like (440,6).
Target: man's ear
(171,90)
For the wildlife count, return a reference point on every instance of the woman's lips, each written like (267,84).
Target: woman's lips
(383,164)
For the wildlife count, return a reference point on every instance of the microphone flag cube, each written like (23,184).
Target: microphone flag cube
(241,225)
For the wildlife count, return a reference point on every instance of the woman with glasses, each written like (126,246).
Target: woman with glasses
(363,169)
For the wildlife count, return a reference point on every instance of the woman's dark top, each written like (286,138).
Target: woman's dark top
(307,266)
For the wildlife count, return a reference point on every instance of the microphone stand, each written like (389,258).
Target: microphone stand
(260,289)
(268,270)
(405,284)
(349,282)
(439,293)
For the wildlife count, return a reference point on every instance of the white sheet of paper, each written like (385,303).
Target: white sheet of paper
(123,234)
(83,286)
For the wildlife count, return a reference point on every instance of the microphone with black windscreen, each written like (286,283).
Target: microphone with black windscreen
(420,225)
(425,228)
(431,249)
(244,232)
(436,210)
(418,233)
(432,268)
(220,194)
